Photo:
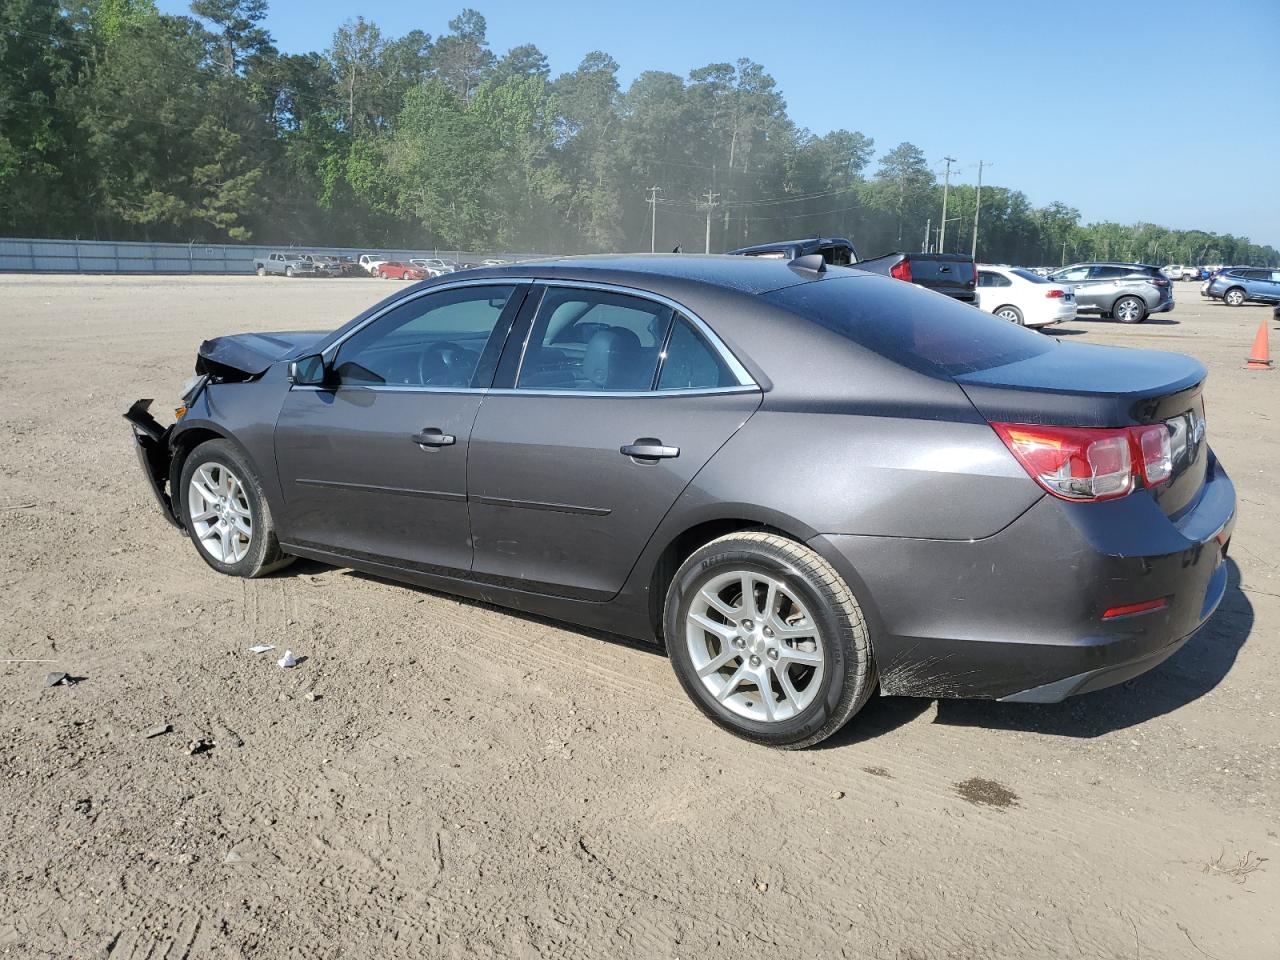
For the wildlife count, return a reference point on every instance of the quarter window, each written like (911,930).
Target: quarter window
(1074,275)
(689,363)
(987,278)
(593,340)
(433,341)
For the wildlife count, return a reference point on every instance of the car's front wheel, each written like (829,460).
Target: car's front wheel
(262,271)
(226,514)
(1129,310)
(1233,297)
(1010,313)
(768,640)
(288,271)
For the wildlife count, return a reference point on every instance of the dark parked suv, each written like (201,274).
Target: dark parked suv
(1129,292)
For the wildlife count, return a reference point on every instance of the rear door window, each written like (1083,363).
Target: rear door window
(593,341)
(1109,273)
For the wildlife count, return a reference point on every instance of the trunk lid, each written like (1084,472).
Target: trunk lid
(1084,385)
(949,273)
(250,354)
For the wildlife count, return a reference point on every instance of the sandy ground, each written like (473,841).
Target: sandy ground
(441,778)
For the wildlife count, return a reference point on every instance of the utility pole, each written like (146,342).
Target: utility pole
(946,186)
(711,205)
(928,232)
(653,218)
(1064,253)
(977,209)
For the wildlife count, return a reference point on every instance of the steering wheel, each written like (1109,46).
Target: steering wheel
(446,364)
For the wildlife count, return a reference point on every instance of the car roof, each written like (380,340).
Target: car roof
(1110,263)
(750,275)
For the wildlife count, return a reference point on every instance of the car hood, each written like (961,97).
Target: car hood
(253,353)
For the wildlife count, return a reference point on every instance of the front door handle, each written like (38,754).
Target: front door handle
(648,449)
(433,437)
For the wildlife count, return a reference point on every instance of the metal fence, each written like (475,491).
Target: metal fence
(104,256)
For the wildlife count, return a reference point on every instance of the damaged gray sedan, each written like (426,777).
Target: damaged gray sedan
(808,482)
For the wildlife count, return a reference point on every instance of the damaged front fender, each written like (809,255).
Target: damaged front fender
(151,442)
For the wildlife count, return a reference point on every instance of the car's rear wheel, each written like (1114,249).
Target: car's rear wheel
(768,640)
(404,275)
(1010,313)
(262,271)
(1129,310)
(226,514)
(1233,297)
(382,274)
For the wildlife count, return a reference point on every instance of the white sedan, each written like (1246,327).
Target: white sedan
(1020,296)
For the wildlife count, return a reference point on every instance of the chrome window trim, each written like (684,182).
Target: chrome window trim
(713,340)
(746,383)
(623,394)
(388,388)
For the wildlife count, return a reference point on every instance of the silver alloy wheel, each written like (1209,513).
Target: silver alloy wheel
(1234,297)
(754,646)
(1128,310)
(1010,314)
(219,513)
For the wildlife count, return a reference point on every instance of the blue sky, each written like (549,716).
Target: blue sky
(1165,112)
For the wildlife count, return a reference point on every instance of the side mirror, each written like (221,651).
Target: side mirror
(308,371)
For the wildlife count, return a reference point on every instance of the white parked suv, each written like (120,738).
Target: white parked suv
(1023,297)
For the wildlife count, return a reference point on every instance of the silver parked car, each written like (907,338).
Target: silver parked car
(1129,292)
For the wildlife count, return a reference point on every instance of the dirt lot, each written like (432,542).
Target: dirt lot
(440,778)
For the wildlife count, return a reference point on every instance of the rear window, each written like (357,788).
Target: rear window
(1028,275)
(917,328)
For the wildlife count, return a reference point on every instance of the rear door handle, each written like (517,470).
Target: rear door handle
(433,437)
(648,448)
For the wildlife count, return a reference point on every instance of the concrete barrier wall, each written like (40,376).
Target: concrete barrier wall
(19,255)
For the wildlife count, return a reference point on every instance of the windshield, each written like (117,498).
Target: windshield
(917,328)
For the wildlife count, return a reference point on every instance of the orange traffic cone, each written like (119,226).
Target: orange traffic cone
(1260,357)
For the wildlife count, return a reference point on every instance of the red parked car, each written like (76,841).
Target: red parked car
(401,271)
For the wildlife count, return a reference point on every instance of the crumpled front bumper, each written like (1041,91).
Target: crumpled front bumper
(151,443)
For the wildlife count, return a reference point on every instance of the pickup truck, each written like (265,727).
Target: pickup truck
(289,264)
(951,273)
(370,262)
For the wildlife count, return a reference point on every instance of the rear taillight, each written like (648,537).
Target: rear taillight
(1055,294)
(1160,281)
(901,271)
(1090,463)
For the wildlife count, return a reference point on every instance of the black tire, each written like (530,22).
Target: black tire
(1014,314)
(262,271)
(1129,309)
(1234,297)
(288,271)
(849,676)
(264,554)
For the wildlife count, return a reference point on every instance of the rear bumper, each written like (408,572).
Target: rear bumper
(1018,616)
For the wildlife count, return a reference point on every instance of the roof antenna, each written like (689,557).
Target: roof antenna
(813,263)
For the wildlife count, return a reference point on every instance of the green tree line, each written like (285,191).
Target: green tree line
(118,122)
